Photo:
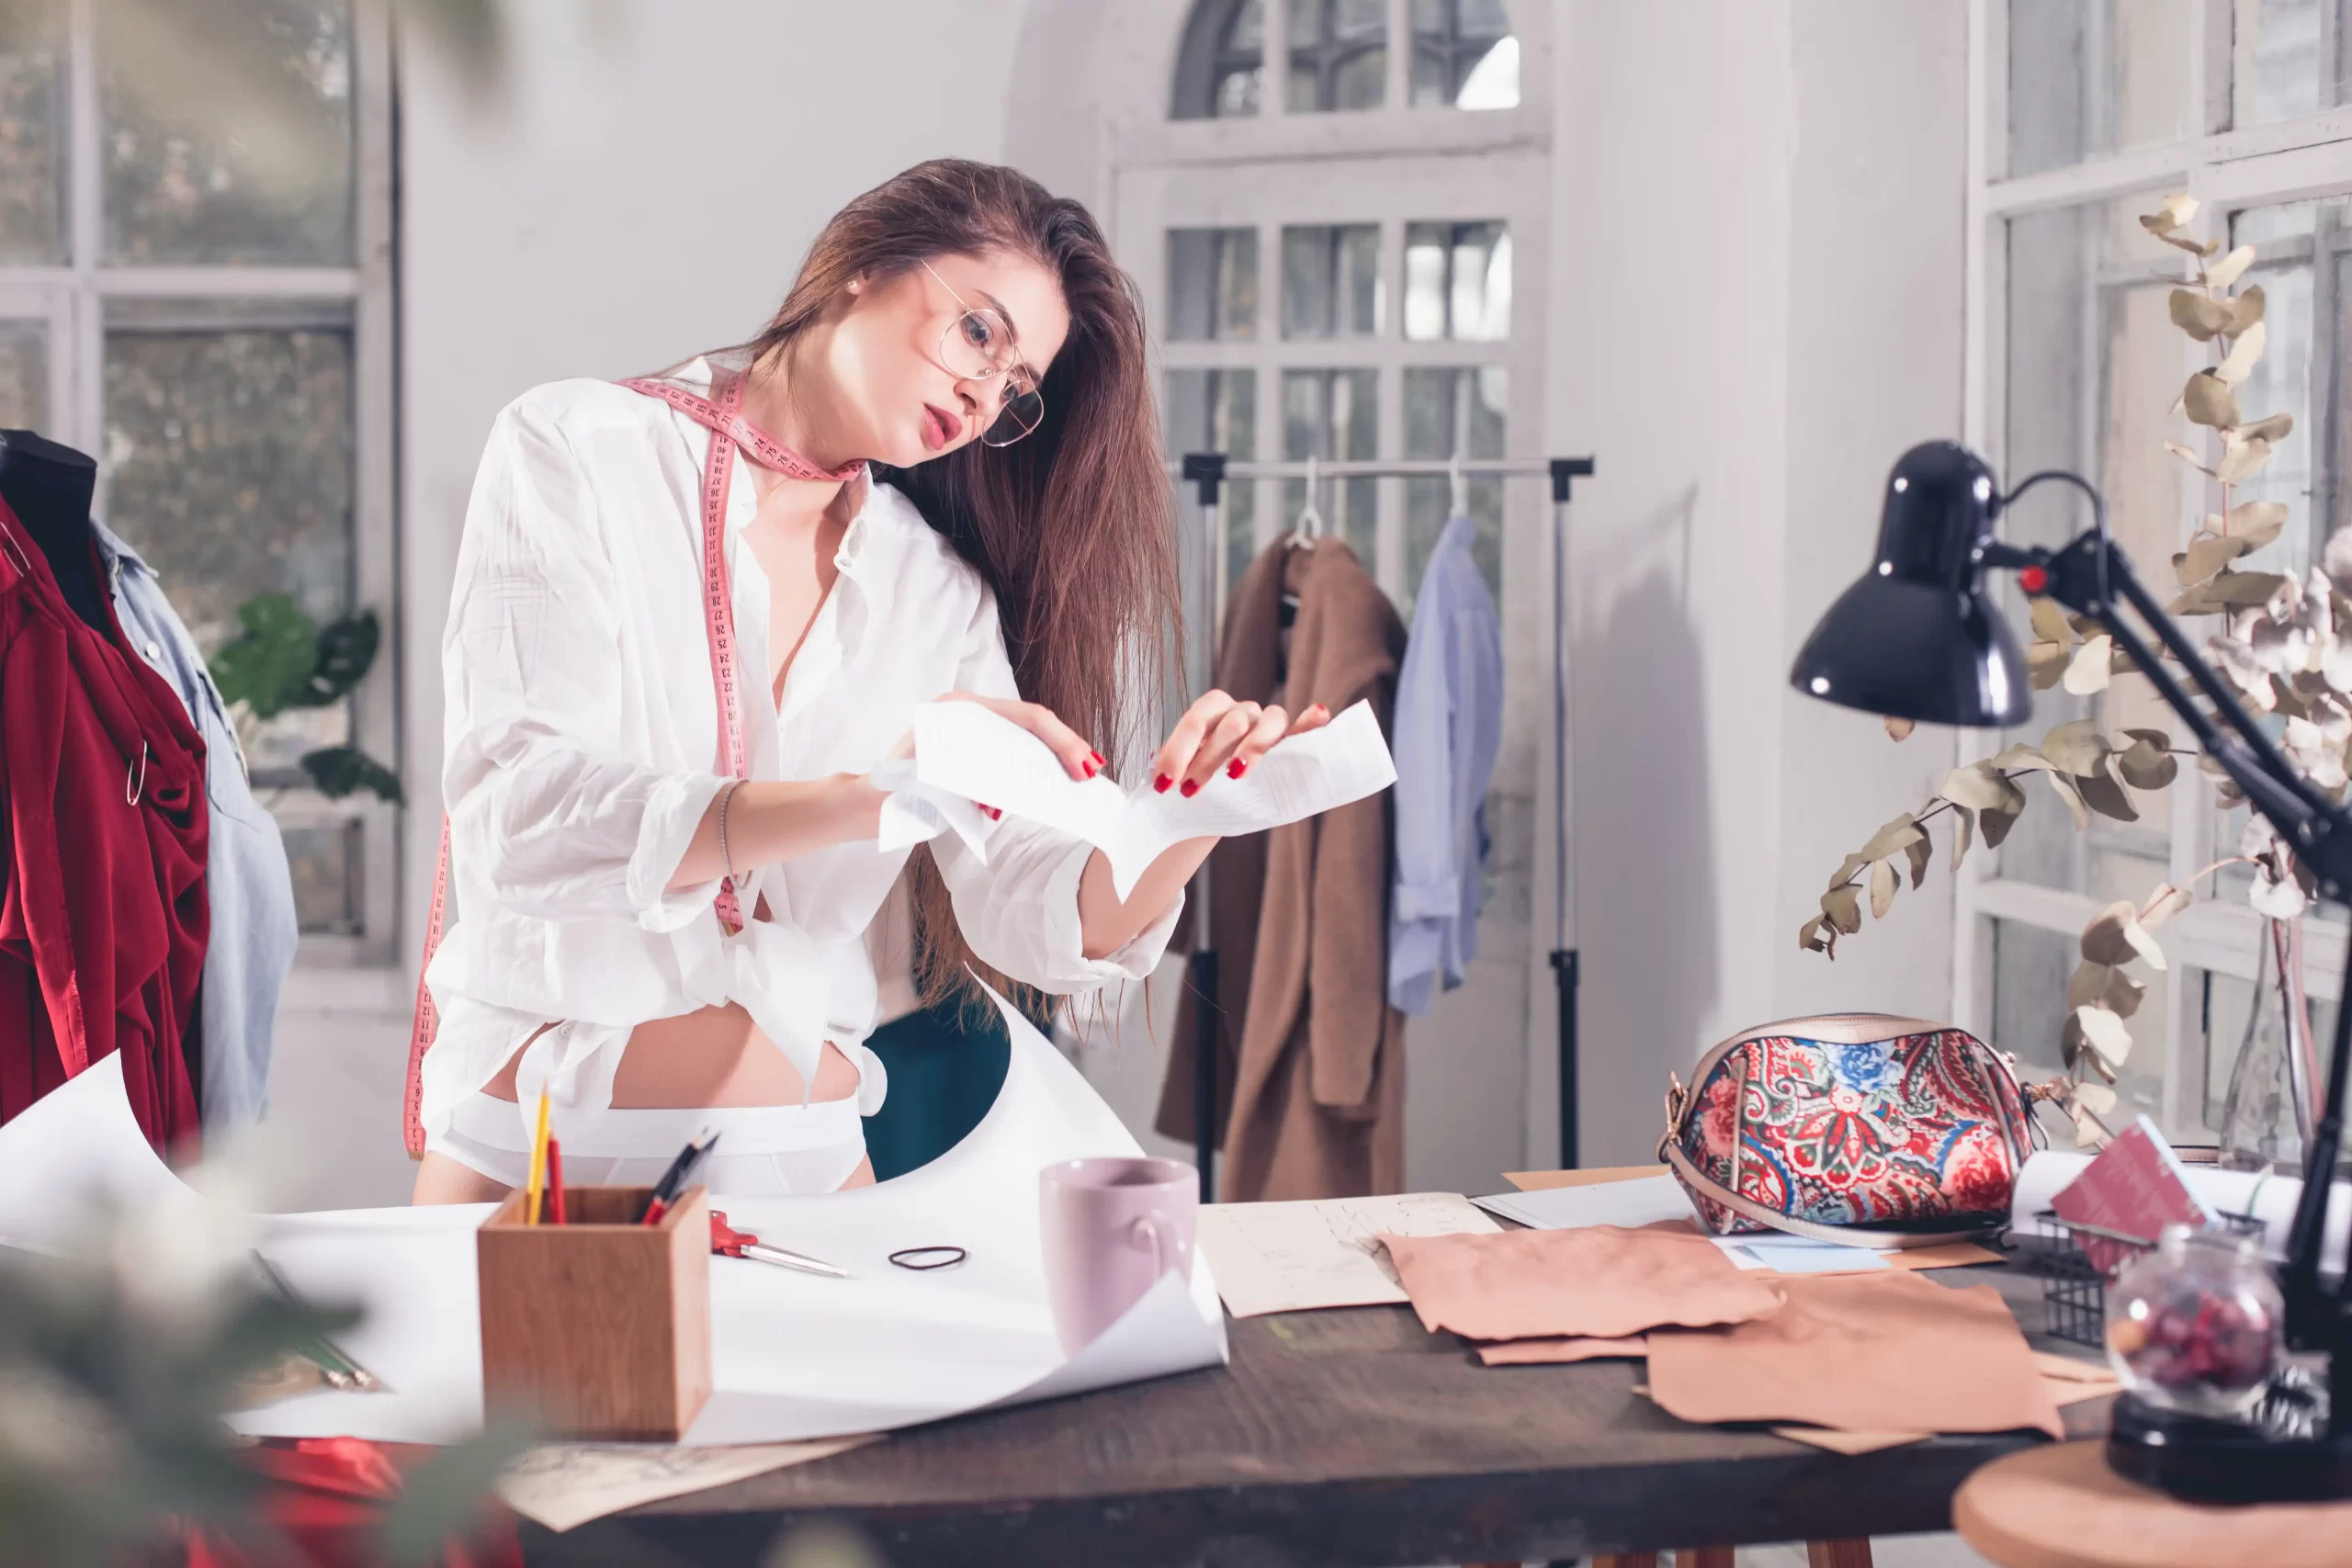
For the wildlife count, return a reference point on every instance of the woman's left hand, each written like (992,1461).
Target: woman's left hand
(1221,735)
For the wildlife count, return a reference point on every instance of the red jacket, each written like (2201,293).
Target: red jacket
(103,910)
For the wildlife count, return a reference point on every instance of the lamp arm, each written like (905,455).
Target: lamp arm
(2090,576)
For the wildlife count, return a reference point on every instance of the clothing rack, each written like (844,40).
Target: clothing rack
(1206,472)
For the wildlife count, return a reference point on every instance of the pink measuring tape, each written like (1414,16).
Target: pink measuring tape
(729,429)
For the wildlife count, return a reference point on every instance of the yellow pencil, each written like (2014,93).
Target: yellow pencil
(532,1192)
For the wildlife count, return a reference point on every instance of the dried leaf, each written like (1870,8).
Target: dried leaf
(2207,399)
(2095,1097)
(2335,561)
(2241,463)
(2257,520)
(2189,457)
(1903,830)
(2045,663)
(2246,311)
(2115,936)
(1882,884)
(2281,900)
(1980,787)
(1846,869)
(2091,667)
(1844,908)
(1899,728)
(2199,314)
(1963,826)
(2201,599)
(2145,764)
(1920,853)
(2104,1033)
(2206,556)
(2088,1133)
(2171,213)
(2103,794)
(1996,825)
(2049,620)
(2072,796)
(2078,747)
(2087,983)
(2123,993)
(2223,273)
(2246,353)
(2275,429)
(2021,759)
(2162,903)
(1809,937)
(2245,589)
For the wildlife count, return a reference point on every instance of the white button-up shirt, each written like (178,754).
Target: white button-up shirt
(582,740)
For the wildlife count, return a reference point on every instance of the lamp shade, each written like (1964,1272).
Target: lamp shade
(1916,636)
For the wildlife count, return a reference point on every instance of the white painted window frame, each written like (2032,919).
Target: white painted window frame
(71,299)
(2226,169)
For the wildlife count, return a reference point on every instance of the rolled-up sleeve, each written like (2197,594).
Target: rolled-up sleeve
(542,796)
(1019,910)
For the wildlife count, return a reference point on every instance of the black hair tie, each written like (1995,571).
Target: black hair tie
(924,1258)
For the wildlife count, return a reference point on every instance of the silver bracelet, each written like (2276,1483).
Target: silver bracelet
(726,800)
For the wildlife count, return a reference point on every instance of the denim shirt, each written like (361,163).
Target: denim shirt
(246,879)
(1449,728)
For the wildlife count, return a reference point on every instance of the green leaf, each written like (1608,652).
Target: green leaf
(445,1496)
(338,771)
(346,650)
(270,664)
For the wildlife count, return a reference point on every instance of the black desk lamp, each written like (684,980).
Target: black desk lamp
(1918,638)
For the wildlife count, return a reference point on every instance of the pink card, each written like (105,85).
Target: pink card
(2136,1185)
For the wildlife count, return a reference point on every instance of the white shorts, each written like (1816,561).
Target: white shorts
(763,1151)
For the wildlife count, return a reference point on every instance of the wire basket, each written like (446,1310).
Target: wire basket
(2078,1260)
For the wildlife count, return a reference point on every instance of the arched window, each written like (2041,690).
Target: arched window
(1335,56)
(1223,70)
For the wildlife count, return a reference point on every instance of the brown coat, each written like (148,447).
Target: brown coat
(1311,1056)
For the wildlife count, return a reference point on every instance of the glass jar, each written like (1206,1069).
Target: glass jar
(2195,1324)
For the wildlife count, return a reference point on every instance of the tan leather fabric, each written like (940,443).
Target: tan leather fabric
(1597,1282)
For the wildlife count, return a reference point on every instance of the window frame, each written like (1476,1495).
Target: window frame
(73,297)
(2228,170)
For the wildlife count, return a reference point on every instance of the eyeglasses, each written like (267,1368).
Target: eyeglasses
(979,346)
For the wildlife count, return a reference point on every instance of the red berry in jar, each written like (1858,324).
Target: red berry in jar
(2194,1323)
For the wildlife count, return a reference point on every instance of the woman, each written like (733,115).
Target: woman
(968,335)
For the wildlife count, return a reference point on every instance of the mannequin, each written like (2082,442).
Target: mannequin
(48,487)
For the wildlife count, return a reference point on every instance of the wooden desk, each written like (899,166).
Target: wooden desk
(1340,1439)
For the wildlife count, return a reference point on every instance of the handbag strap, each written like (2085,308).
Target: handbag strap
(1811,1230)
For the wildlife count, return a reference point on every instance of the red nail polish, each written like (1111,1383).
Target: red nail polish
(1161,783)
(1192,788)
(1235,769)
(1091,765)
(1100,760)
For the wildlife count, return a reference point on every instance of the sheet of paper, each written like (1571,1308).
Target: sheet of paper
(79,1148)
(1631,1205)
(795,1356)
(1538,1180)
(1800,1255)
(1291,1256)
(965,752)
(566,1485)
(913,813)
(2269,1198)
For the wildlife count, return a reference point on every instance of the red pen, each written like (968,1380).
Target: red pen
(555,1181)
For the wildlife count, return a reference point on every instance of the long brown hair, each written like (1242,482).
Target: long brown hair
(1069,527)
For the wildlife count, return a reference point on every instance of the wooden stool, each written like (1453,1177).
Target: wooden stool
(2060,1507)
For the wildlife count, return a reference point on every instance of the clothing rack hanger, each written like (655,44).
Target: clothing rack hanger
(1459,481)
(1309,526)
(1206,472)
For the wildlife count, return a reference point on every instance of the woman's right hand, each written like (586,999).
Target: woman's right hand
(1078,759)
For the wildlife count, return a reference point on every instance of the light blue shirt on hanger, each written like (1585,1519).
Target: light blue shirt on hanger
(1448,729)
(245,874)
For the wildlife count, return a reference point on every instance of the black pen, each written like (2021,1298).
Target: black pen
(674,1180)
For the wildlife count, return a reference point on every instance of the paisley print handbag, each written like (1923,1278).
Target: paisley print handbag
(1850,1127)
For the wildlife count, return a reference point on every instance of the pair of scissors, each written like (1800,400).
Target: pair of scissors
(728,1242)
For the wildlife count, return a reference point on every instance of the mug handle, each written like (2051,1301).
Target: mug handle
(1147,1228)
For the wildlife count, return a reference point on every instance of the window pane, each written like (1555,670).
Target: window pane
(1331,284)
(1457,282)
(229,467)
(1335,414)
(1464,55)
(24,376)
(1212,285)
(2094,364)
(1450,412)
(33,131)
(2288,57)
(1338,54)
(2091,77)
(228,131)
(2030,969)
(1216,410)
(325,860)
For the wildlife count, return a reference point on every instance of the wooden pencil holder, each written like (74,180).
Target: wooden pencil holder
(599,1327)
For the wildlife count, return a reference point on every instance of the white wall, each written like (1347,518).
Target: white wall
(1757,303)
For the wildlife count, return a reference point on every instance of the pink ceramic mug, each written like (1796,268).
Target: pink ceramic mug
(1113,1227)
